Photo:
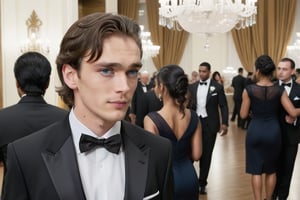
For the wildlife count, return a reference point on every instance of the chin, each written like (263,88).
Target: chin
(118,116)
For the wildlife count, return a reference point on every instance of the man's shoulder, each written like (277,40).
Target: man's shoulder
(296,85)
(48,134)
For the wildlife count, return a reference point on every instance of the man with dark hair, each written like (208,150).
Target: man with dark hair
(297,75)
(207,98)
(92,153)
(238,83)
(32,72)
(290,130)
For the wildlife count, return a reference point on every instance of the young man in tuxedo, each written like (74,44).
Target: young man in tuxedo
(93,154)
(32,73)
(207,98)
(290,130)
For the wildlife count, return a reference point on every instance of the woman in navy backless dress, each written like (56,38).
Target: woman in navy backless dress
(181,126)
(263,140)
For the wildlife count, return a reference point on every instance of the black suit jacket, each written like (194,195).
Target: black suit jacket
(44,165)
(137,104)
(148,103)
(238,83)
(215,99)
(291,132)
(30,114)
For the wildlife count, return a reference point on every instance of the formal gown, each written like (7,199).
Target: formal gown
(185,177)
(263,140)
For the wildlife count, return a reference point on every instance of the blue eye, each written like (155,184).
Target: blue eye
(132,73)
(106,72)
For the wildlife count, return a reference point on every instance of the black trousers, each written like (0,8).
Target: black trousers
(285,170)
(208,143)
(236,111)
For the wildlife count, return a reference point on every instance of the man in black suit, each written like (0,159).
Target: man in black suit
(238,83)
(32,72)
(290,130)
(137,104)
(92,153)
(207,98)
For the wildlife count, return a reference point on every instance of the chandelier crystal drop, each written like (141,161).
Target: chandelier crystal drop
(149,50)
(207,16)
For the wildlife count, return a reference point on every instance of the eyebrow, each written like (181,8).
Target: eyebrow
(113,64)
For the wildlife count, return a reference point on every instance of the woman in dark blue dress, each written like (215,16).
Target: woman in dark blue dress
(263,140)
(181,126)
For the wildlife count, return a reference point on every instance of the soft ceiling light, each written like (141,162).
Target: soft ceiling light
(207,16)
(33,41)
(296,46)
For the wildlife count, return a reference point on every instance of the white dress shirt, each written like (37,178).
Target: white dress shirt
(102,173)
(202,92)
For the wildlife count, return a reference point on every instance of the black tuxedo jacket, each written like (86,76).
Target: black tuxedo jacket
(30,114)
(215,99)
(238,83)
(137,104)
(291,132)
(43,166)
(149,103)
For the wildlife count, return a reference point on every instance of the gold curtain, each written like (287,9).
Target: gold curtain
(270,35)
(171,42)
(128,8)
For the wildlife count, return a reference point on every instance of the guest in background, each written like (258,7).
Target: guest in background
(151,82)
(194,77)
(263,140)
(181,126)
(238,84)
(92,153)
(150,102)
(207,98)
(289,131)
(217,77)
(32,73)
(297,73)
(136,107)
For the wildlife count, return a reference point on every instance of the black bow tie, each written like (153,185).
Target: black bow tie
(111,144)
(203,83)
(286,84)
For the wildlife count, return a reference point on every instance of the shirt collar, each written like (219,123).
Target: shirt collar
(207,81)
(78,128)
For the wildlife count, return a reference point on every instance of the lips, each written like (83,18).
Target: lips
(119,104)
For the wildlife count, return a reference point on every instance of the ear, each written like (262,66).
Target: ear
(70,76)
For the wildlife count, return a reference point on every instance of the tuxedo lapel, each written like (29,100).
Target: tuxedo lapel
(61,163)
(208,92)
(136,163)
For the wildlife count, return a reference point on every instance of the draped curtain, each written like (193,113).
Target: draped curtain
(270,35)
(128,8)
(172,43)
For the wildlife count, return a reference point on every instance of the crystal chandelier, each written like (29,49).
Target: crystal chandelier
(149,50)
(33,41)
(296,45)
(207,16)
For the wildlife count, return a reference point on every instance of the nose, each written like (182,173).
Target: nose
(122,84)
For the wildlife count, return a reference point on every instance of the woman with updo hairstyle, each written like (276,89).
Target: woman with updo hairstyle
(263,139)
(180,125)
